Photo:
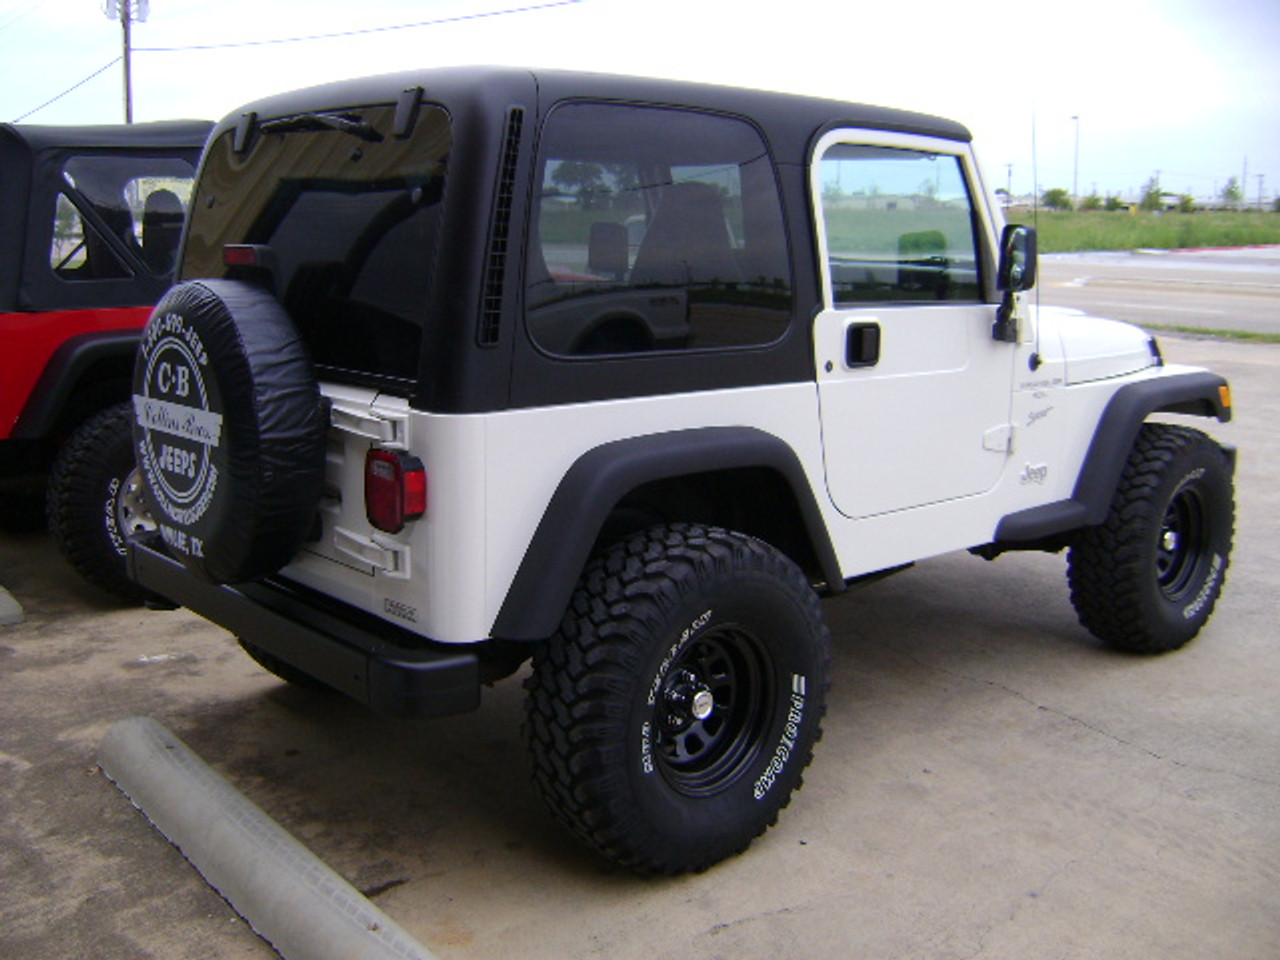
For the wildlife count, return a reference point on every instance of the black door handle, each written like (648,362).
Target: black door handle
(862,345)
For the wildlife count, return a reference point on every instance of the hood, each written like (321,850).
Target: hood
(1097,349)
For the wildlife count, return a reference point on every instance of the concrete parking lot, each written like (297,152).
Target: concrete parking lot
(992,782)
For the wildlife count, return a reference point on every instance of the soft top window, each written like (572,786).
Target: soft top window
(347,216)
(137,201)
(656,229)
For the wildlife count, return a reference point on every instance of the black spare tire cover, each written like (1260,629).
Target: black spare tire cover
(229,429)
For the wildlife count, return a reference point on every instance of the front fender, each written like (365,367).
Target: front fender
(1199,393)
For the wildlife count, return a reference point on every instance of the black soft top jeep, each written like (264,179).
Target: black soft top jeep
(471,367)
(90,220)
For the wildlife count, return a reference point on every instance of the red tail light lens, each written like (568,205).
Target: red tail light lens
(395,489)
(240,255)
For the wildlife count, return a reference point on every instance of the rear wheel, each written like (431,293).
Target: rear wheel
(1147,579)
(95,501)
(672,715)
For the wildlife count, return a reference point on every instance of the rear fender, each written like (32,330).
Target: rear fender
(602,477)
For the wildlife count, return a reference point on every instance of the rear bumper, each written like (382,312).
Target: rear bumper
(390,670)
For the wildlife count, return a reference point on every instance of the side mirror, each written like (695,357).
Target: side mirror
(1017,259)
(1016,273)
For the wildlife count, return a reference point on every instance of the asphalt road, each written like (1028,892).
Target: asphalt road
(1209,289)
(992,782)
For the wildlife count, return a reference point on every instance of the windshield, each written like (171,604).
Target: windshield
(348,213)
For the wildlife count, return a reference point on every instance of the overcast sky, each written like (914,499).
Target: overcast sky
(1188,88)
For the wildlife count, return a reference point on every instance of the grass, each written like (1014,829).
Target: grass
(1246,336)
(1070,232)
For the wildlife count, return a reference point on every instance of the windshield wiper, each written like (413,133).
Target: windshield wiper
(324,121)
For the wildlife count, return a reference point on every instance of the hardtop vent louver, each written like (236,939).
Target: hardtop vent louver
(500,232)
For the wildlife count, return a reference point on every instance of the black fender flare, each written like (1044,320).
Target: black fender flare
(1199,393)
(601,477)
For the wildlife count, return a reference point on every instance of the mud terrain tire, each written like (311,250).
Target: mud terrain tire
(1147,579)
(95,501)
(672,716)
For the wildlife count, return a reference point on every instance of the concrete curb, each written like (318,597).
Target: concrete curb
(11,611)
(291,898)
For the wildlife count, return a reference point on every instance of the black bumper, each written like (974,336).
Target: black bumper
(390,670)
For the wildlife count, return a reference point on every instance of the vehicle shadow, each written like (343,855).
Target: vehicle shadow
(388,800)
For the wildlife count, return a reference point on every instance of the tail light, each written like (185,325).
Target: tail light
(395,489)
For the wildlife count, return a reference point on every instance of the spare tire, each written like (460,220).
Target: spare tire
(229,427)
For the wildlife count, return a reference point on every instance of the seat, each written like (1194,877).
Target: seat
(161,230)
(687,241)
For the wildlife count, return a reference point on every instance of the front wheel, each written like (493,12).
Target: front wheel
(672,715)
(1147,579)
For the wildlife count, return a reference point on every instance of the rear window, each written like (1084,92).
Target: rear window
(346,216)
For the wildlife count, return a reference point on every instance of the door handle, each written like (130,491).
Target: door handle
(862,345)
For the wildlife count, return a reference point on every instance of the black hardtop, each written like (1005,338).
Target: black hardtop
(791,120)
(485,103)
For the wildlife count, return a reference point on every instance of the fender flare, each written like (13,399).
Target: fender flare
(601,477)
(1199,393)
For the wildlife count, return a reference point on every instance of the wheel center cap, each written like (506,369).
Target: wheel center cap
(703,704)
(1169,540)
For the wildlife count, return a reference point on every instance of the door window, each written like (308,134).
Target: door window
(899,226)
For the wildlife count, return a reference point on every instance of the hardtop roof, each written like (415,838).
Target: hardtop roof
(798,116)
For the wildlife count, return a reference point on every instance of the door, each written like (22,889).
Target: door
(914,392)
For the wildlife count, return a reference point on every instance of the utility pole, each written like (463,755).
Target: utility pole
(1075,172)
(127,11)
(1261,176)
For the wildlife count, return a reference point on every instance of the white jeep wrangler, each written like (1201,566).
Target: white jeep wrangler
(468,367)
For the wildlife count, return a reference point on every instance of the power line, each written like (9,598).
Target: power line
(70,89)
(320,36)
(367,30)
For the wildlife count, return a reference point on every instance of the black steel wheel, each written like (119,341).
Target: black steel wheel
(1147,579)
(672,715)
(710,713)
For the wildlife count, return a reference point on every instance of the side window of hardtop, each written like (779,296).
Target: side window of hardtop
(654,230)
(899,226)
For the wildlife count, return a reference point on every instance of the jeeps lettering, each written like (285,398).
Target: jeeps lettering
(179,428)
